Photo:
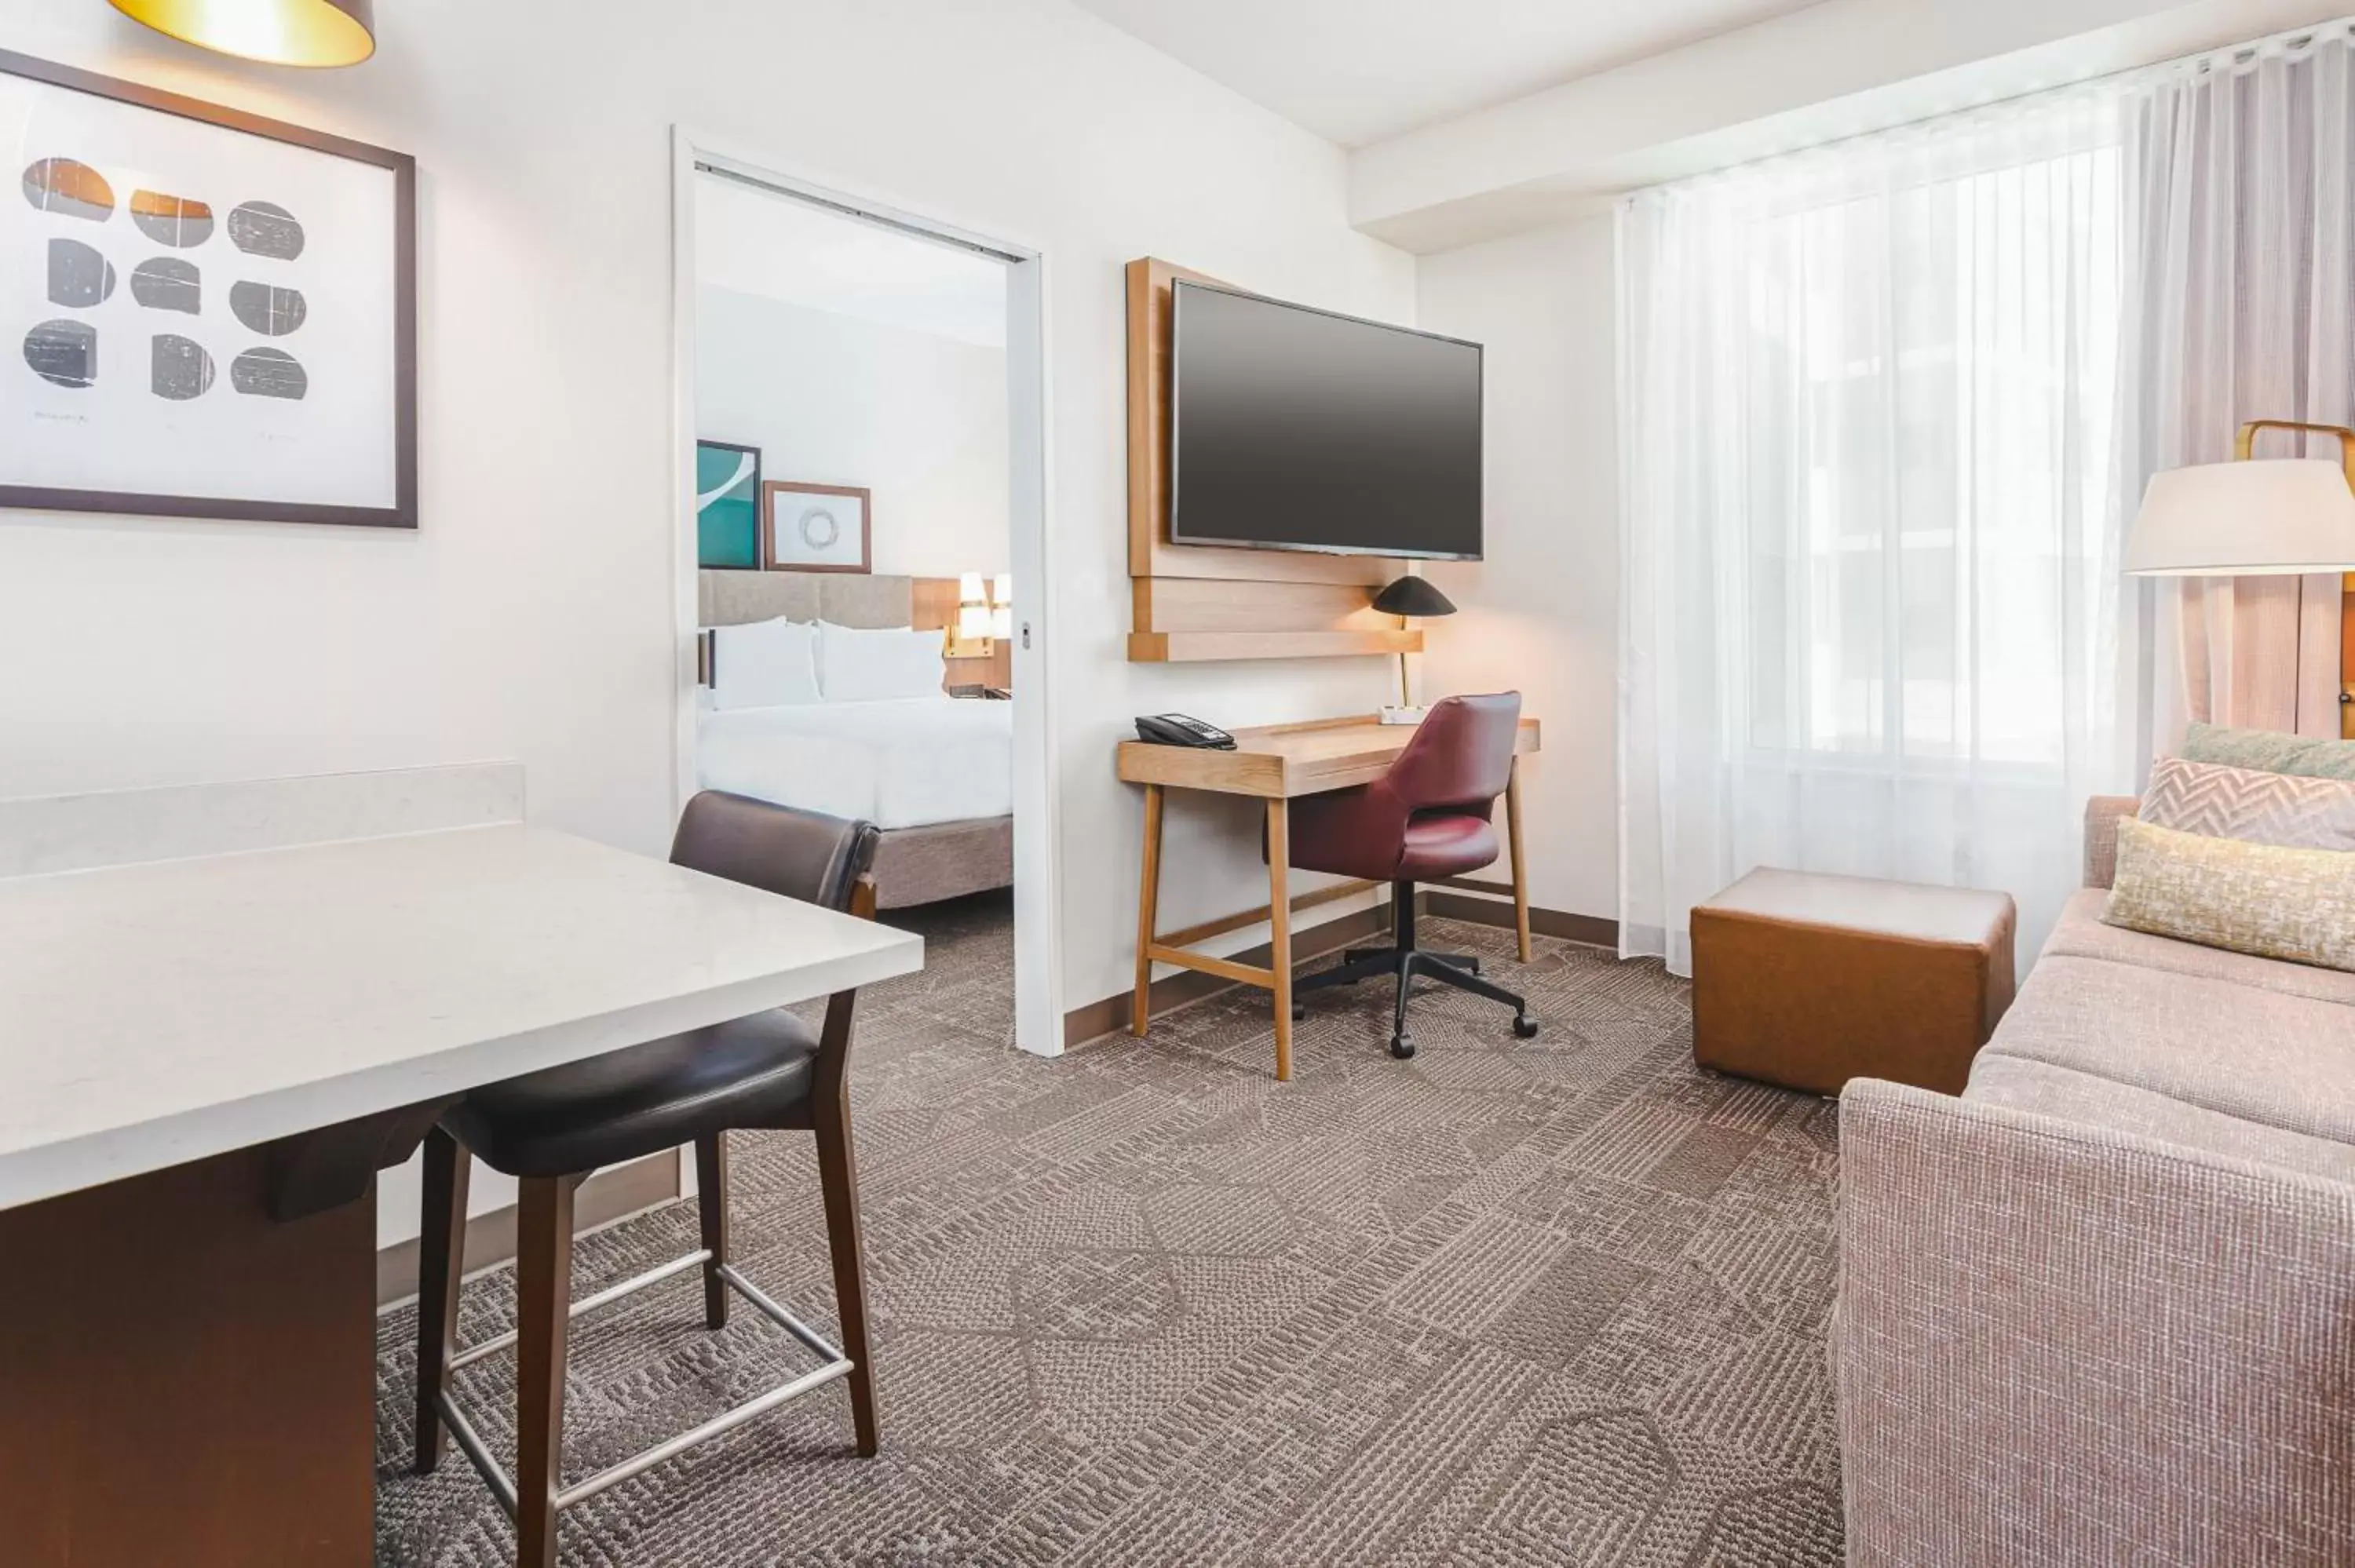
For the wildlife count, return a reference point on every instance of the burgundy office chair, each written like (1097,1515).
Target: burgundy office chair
(1424,819)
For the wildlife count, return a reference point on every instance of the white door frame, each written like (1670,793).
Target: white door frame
(1037,886)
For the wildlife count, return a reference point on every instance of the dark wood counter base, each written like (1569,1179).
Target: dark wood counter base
(184,1379)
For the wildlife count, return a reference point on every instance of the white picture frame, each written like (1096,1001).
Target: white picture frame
(207,314)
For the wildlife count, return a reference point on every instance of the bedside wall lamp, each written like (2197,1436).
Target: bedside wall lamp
(315,33)
(969,633)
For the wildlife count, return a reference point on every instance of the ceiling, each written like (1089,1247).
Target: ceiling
(1356,71)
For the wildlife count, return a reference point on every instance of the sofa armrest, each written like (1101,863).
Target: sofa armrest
(2056,1343)
(2102,814)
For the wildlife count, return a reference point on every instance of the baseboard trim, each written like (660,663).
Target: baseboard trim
(1112,1015)
(604,1199)
(1592,930)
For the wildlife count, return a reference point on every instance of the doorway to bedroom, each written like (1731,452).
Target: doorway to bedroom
(862,393)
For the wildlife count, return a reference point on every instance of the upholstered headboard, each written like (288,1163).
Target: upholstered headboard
(846,599)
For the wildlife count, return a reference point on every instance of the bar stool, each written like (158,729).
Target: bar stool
(551,1130)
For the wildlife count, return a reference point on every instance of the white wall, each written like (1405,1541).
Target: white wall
(1541,614)
(757,242)
(918,417)
(531,616)
(1835,68)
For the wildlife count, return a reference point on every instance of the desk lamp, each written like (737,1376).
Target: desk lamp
(1410,598)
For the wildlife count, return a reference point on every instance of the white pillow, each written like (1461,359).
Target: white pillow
(825,626)
(765,665)
(864,666)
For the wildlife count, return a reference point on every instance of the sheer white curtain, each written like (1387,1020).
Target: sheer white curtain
(2242,280)
(1872,609)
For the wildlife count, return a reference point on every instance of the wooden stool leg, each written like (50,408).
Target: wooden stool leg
(440,1262)
(711,1200)
(1279,921)
(543,1298)
(837,1175)
(1520,864)
(1149,904)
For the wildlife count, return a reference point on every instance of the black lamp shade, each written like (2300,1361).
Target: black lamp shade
(1412,596)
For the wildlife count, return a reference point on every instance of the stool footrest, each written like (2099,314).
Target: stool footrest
(726,1421)
(833,1365)
(766,1305)
(493,1346)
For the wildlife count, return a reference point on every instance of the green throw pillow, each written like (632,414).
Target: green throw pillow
(2269,751)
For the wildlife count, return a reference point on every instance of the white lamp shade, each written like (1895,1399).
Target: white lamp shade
(1001,621)
(969,588)
(2269,518)
(972,622)
(1002,592)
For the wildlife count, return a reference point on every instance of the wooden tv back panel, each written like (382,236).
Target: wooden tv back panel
(1198,603)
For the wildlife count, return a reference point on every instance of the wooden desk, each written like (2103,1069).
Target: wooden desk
(1277,763)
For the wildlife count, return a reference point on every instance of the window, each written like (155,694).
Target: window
(1929,375)
(1869,525)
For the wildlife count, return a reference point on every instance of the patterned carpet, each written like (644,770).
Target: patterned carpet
(1512,1303)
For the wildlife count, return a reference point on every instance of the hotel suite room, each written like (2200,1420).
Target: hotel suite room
(854,545)
(1295,783)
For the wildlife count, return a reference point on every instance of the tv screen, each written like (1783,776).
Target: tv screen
(1298,430)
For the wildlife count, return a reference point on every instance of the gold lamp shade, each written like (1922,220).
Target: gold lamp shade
(279,32)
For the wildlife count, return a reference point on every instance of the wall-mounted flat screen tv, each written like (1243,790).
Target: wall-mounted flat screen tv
(1293,429)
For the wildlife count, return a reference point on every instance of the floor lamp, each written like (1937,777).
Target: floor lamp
(2253,517)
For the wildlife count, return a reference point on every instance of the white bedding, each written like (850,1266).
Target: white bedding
(905,763)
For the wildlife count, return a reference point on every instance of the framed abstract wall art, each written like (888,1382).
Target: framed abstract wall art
(818,527)
(203,314)
(727,506)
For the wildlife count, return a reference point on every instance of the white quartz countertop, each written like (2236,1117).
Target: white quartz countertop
(158,1013)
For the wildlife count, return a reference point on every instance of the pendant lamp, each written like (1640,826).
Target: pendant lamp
(276,32)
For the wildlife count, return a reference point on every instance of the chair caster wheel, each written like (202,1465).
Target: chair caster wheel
(1402,1047)
(1524,1027)
(1299,1013)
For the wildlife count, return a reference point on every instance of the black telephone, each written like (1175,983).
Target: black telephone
(1176,729)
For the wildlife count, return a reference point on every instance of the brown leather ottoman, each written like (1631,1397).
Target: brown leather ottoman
(1810,981)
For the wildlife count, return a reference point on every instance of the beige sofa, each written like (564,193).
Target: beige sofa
(2101,1308)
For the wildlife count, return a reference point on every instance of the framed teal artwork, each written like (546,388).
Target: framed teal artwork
(727,505)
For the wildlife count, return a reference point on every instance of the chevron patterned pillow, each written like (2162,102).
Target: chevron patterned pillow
(2218,802)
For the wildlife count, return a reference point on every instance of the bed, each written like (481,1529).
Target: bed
(934,773)
(915,762)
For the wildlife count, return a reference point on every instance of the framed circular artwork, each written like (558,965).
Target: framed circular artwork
(817,527)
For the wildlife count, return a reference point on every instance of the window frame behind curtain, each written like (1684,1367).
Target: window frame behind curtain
(1973,774)
(1802,189)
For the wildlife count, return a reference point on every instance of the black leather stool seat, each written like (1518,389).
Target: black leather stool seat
(551,1130)
(748,1073)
